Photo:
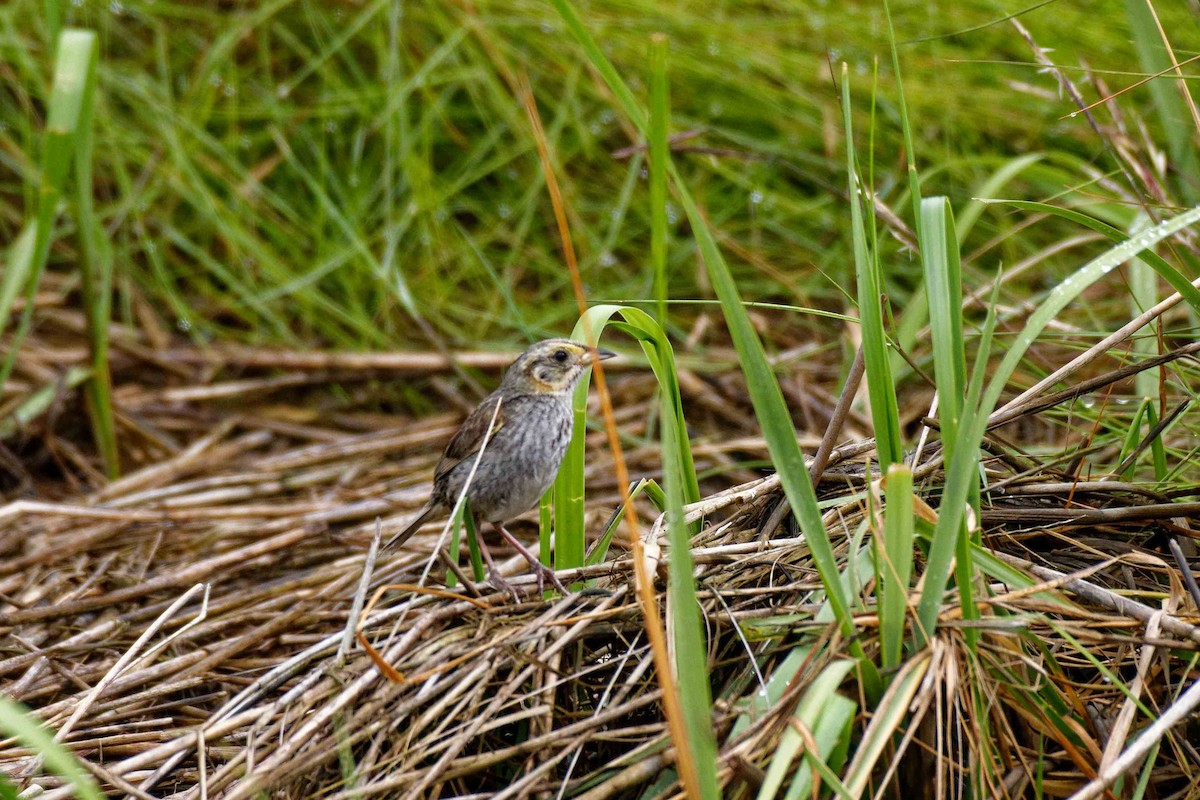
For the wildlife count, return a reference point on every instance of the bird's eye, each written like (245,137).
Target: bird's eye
(561,356)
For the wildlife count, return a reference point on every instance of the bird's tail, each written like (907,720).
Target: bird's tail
(404,535)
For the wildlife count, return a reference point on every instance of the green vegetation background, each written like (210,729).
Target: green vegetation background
(361,175)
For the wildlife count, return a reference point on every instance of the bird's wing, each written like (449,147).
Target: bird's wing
(471,436)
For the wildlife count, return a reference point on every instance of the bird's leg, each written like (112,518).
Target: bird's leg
(494,577)
(450,564)
(539,569)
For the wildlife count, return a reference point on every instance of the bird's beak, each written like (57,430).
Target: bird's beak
(592,356)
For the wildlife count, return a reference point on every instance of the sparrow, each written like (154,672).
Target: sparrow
(530,421)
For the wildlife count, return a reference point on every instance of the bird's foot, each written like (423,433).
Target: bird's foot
(501,585)
(544,574)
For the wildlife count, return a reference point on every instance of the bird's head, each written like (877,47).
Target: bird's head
(552,366)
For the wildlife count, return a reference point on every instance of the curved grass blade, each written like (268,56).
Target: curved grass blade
(961,469)
(690,667)
(769,406)
(569,485)
(1172,276)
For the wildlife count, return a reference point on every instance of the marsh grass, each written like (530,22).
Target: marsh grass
(976,590)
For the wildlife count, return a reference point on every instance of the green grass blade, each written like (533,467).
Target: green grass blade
(886,719)
(989,187)
(1177,123)
(894,570)
(39,400)
(68,108)
(1133,435)
(821,708)
(660,112)
(683,611)
(765,394)
(19,722)
(53,10)
(943,286)
(1143,294)
(914,177)
(962,466)
(79,48)
(654,494)
(679,475)
(17,267)
(880,387)
(942,268)
(569,544)
(1167,272)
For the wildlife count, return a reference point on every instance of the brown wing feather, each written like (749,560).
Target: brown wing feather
(470,437)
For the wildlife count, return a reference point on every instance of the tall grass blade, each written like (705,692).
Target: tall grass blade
(943,285)
(881,388)
(765,394)
(942,268)
(570,543)
(660,114)
(895,563)
(1167,91)
(67,143)
(79,50)
(690,668)
(683,610)
(914,177)
(962,468)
